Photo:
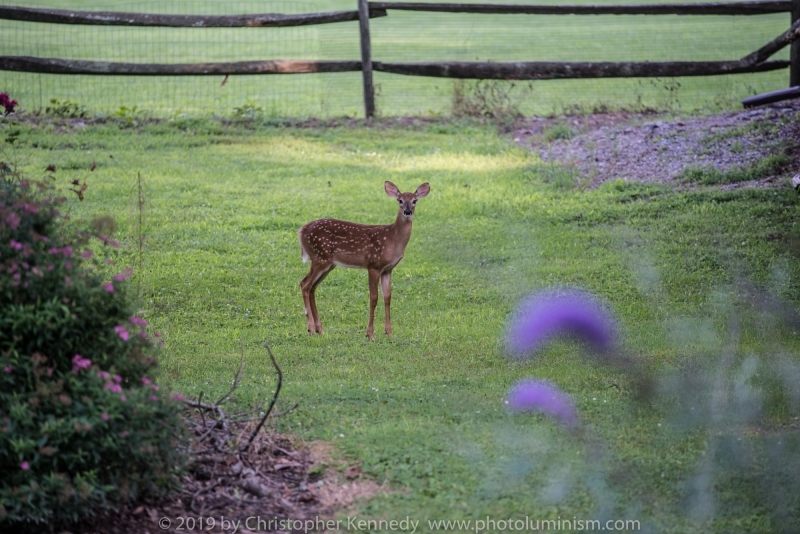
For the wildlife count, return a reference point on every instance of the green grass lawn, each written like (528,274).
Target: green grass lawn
(401,36)
(714,448)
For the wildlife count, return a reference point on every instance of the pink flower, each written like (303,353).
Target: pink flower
(24,466)
(67,251)
(103,374)
(15,244)
(104,416)
(124,275)
(123,398)
(157,334)
(146,381)
(121,332)
(79,363)
(7,369)
(109,287)
(178,397)
(68,265)
(86,254)
(153,398)
(13,220)
(138,320)
(155,387)
(114,388)
(118,379)
(54,250)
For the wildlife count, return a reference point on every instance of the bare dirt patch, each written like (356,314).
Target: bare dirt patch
(653,148)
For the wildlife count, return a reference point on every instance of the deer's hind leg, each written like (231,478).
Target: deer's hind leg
(308,286)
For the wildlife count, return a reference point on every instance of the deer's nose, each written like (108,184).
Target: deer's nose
(407,212)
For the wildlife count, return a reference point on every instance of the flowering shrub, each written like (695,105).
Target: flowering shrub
(83,426)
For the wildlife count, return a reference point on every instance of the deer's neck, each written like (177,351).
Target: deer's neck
(401,228)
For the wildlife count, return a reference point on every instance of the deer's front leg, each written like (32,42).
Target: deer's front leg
(386,286)
(374,276)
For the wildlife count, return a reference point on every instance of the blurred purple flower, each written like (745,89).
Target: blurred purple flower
(104,416)
(24,466)
(542,396)
(109,287)
(549,313)
(7,369)
(86,254)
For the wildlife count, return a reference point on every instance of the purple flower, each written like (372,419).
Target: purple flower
(86,254)
(546,314)
(104,416)
(24,466)
(15,244)
(121,332)
(542,396)
(153,398)
(146,381)
(178,397)
(7,369)
(109,287)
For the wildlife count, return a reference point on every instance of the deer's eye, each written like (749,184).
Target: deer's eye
(399,200)
(413,201)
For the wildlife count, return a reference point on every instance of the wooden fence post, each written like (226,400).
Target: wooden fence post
(366,58)
(794,54)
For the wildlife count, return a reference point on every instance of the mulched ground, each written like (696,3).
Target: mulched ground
(658,149)
(226,490)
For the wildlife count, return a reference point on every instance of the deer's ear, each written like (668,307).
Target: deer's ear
(391,189)
(422,191)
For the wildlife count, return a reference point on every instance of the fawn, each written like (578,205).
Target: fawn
(376,248)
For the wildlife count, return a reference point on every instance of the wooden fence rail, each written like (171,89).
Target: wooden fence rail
(756,61)
(759,7)
(107,18)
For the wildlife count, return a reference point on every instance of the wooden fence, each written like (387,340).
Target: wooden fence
(757,61)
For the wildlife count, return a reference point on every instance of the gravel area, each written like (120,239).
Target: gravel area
(659,149)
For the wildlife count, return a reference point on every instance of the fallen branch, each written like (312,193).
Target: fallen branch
(274,398)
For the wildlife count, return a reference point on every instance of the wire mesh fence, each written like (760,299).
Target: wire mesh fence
(402,36)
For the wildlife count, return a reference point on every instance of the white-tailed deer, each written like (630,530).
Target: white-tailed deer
(376,248)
